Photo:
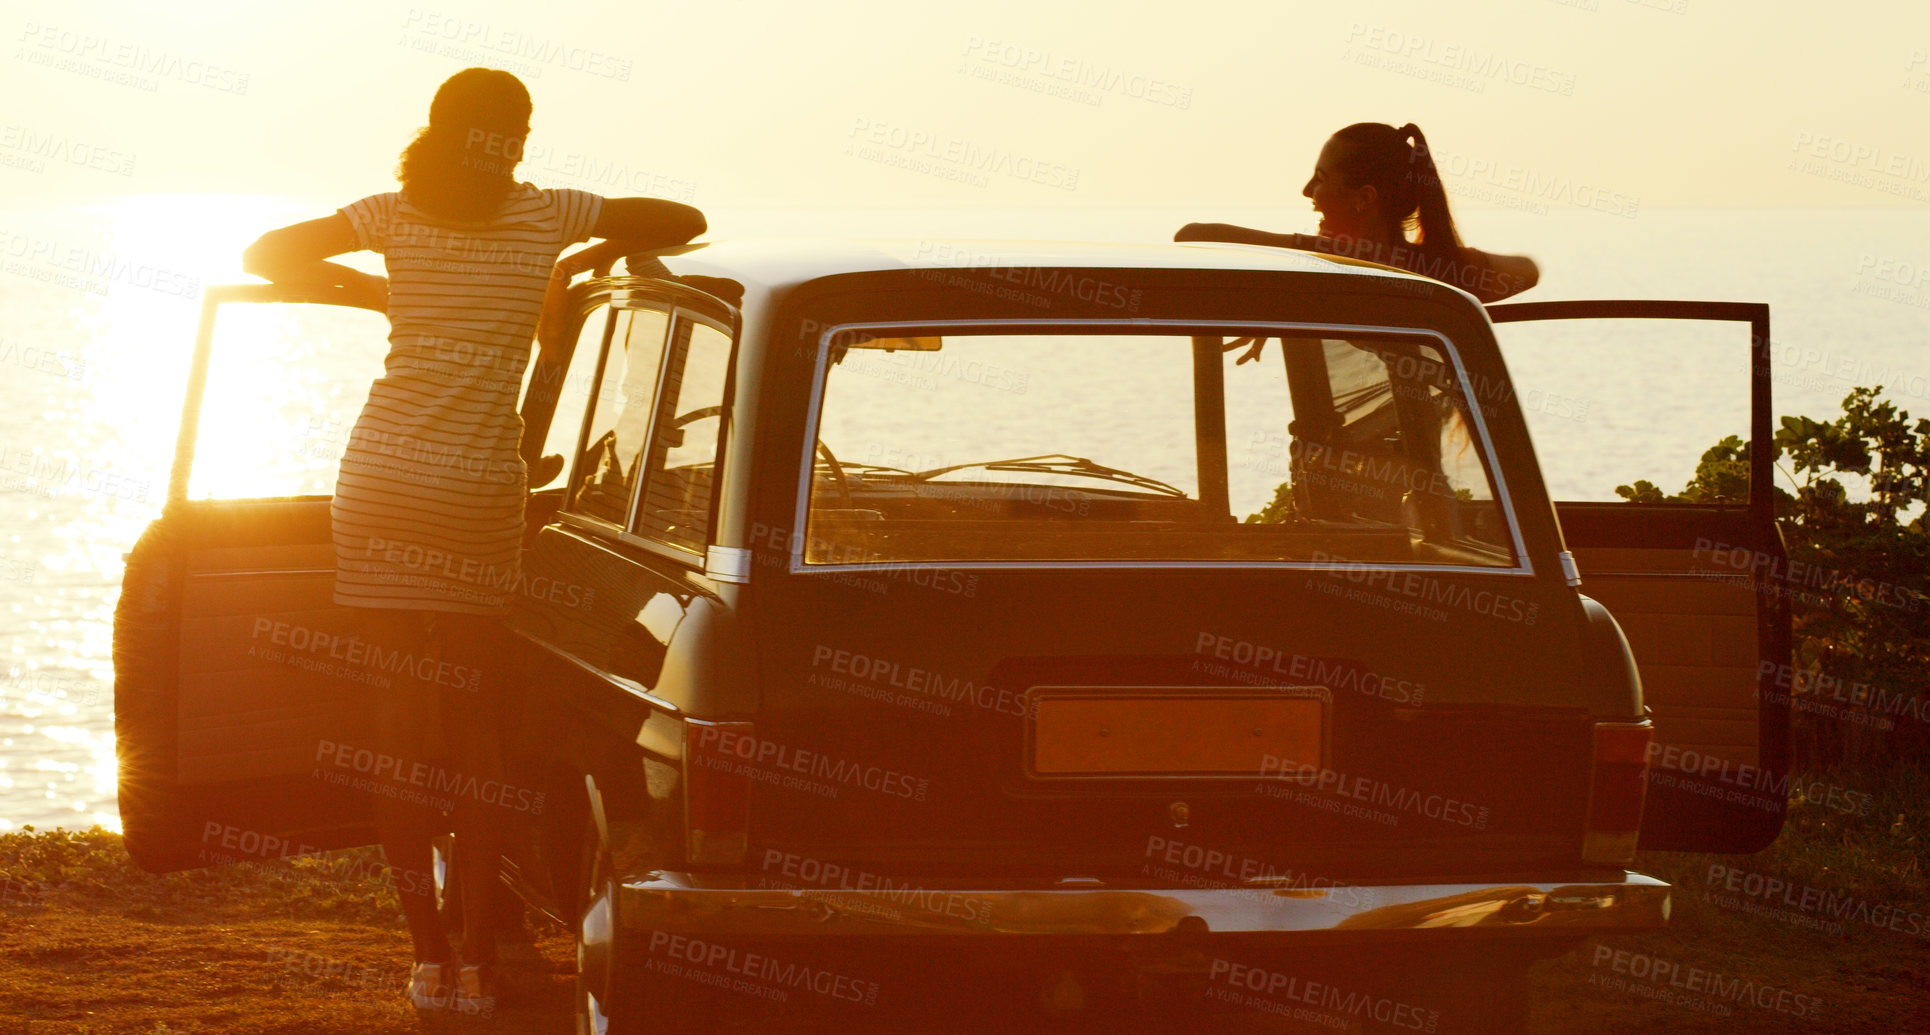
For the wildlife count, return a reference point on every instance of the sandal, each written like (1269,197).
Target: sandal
(429,987)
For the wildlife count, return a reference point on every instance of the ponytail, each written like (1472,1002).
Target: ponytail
(1436,224)
(1400,168)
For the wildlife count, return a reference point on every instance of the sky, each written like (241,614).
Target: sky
(1605,104)
(153,141)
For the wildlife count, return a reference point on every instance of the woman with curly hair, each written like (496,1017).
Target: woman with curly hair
(427,513)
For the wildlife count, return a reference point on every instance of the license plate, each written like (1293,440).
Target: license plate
(1171,732)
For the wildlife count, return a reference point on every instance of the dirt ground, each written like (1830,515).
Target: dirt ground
(89,944)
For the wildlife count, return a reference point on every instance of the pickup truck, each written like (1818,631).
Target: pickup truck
(1160,624)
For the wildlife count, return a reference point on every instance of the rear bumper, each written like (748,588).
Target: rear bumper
(687,904)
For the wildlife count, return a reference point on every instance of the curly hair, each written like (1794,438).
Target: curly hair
(462,164)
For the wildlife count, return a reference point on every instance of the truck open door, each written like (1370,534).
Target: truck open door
(235,699)
(1694,586)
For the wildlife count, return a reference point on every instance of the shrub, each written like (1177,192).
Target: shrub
(1860,563)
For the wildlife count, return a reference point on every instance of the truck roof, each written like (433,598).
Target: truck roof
(773,265)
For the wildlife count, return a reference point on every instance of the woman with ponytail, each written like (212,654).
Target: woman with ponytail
(427,515)
(1372,185)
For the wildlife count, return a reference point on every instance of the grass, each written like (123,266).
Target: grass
(90,945)
(1821,934)
(92,870)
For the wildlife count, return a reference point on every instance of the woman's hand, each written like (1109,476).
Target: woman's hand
(549,326)
(367,290)
(364,290)
(555,319)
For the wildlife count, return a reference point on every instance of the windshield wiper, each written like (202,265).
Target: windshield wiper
(862,468)
(1059,463)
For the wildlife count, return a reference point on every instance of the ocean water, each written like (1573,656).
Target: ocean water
(100,306)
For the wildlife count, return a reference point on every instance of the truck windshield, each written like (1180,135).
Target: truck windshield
(955,445)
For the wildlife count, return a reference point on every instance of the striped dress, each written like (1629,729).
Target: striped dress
(428,507)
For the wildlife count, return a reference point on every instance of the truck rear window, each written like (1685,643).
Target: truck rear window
(1072,445)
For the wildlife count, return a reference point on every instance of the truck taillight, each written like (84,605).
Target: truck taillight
(717,791)
(1618,785)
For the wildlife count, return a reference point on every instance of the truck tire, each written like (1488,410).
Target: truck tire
(620,989)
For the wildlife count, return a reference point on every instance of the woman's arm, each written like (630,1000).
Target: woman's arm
(1502,276)
(647,223)
(629,225)
(295,255)
(1227,233)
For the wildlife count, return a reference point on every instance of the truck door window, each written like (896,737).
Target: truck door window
(264,431)
(1582,414)
(571,384)
(626,390)
(680,465)
(1394,436)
